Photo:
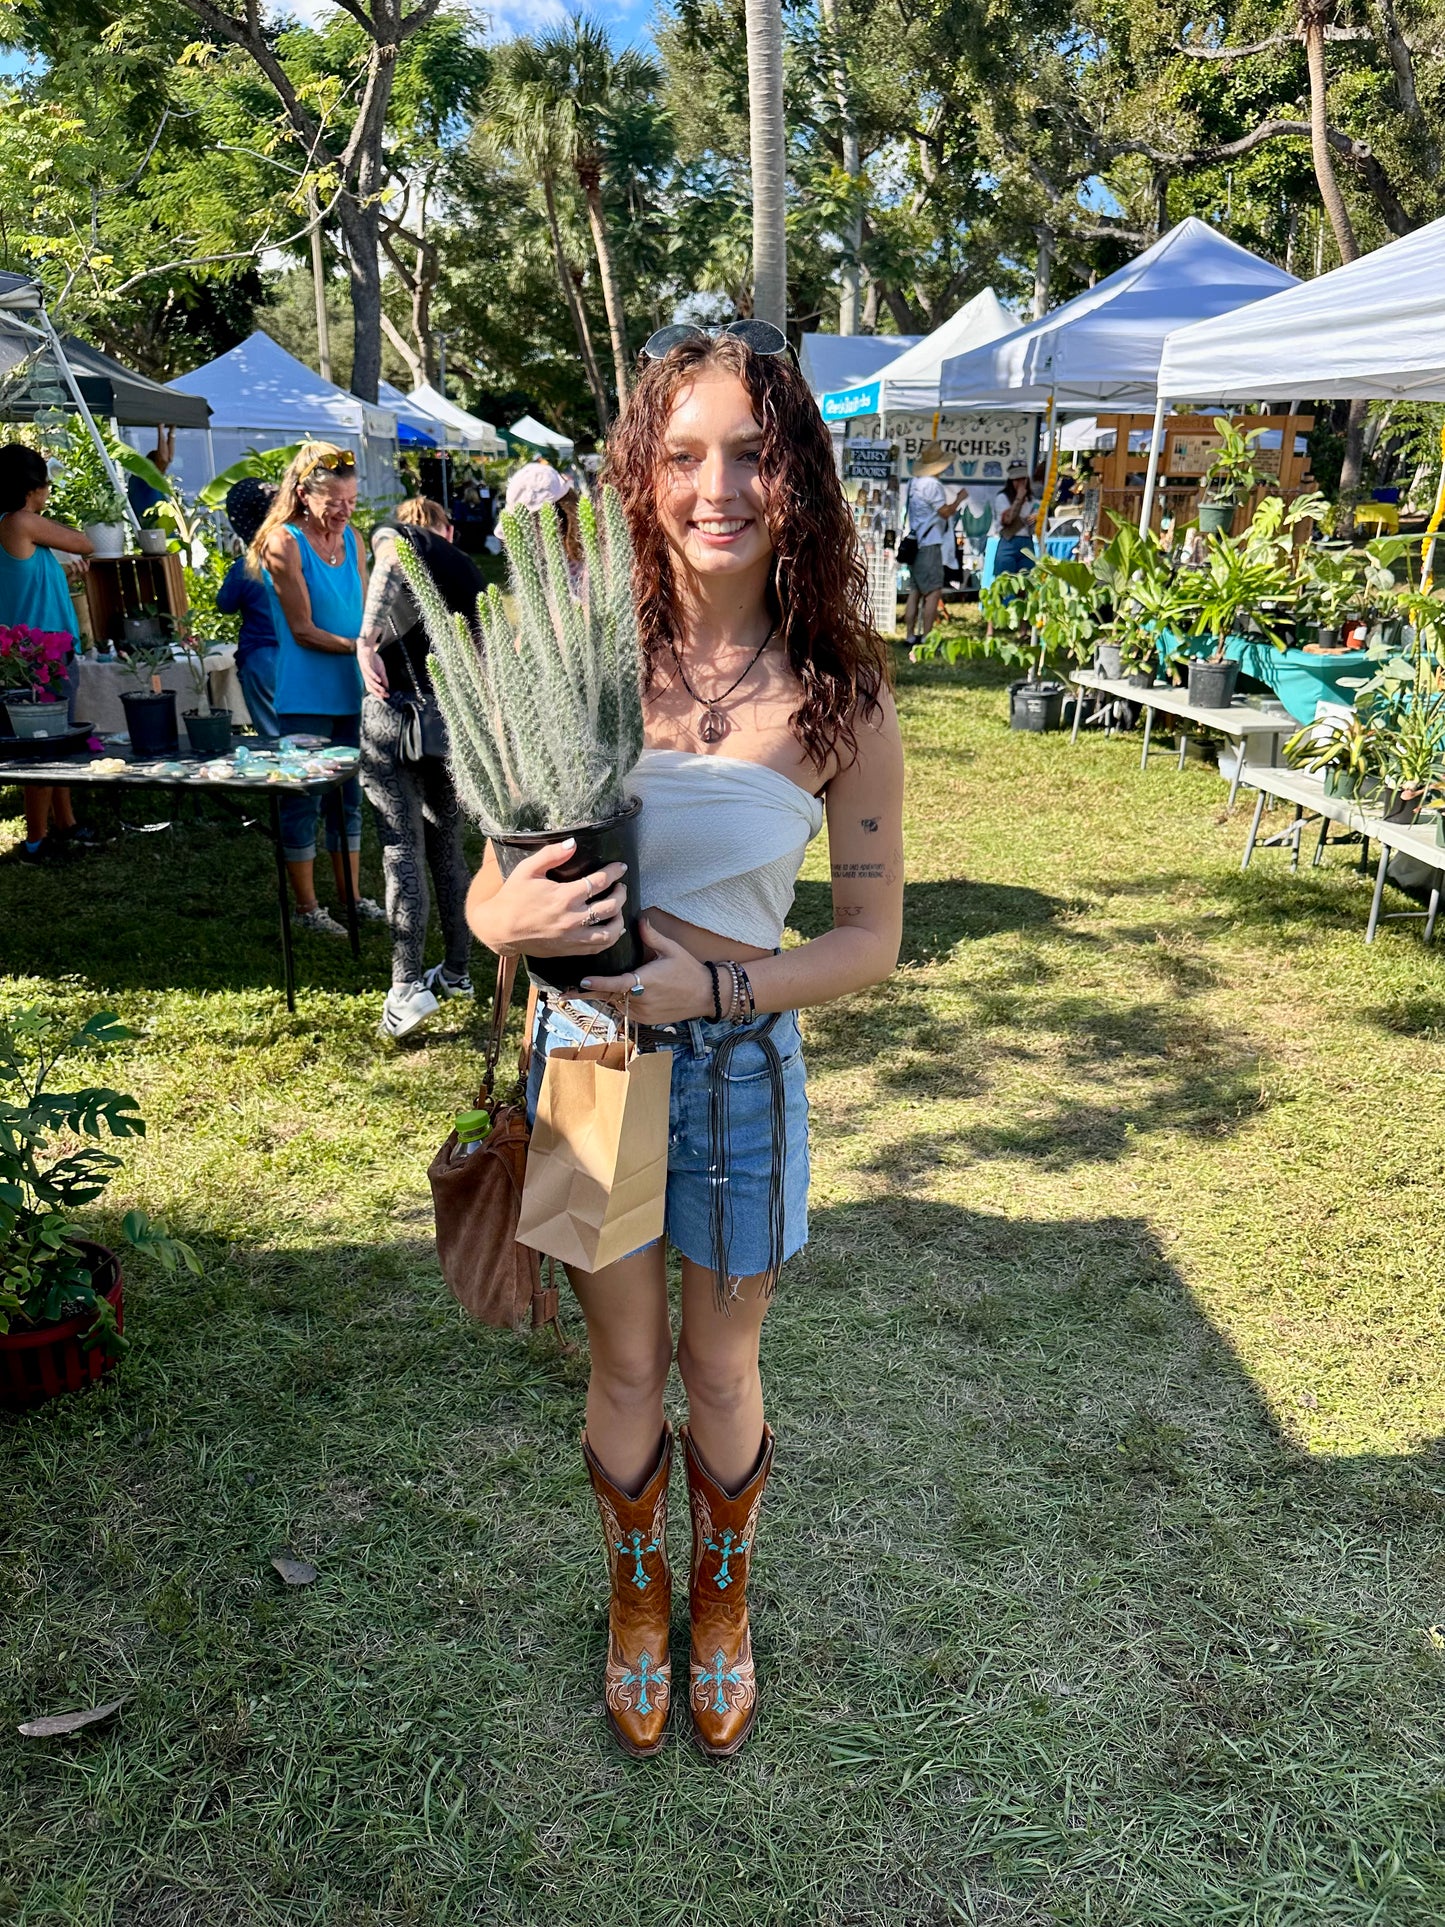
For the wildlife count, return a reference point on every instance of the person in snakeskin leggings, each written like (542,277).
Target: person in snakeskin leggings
(404,773)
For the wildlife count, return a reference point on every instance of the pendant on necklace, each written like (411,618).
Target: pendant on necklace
(713,726)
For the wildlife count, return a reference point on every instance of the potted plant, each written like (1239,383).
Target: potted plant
(207,729)
(1345,751)
(150,711)
(1237,577)
(32,679)
(1230,476)
(61,1310)
(86,495)
(545,716)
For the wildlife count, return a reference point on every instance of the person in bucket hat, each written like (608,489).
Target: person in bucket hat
(930,513)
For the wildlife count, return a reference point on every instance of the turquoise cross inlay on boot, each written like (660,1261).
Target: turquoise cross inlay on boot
(716,1678)
(645,1675)
(727,1549)
(633,1547)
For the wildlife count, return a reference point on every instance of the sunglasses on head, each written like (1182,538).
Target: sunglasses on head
(761,336)
(335,459)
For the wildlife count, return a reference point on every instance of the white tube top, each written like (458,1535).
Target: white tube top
(721,841)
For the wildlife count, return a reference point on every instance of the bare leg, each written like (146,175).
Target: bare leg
(61,814)
(930,611)
(629,1336)
(909,612)
(717,1354)
(303,882)
(37,810)
(340,877)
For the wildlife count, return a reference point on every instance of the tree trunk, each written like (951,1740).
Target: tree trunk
(318,290)
(1043,268)
(767,139)
(1314,16)
(574,306)
(850,278)
(361,227)
(416,368)
(589,176)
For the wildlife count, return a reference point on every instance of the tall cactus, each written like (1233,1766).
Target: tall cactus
(545,717)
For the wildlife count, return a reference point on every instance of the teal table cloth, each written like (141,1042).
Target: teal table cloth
(1298,677)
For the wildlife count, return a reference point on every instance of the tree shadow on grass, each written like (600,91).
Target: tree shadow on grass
(938,916)
(1049,1608)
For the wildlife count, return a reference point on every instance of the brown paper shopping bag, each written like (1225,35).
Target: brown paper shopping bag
(596,1179)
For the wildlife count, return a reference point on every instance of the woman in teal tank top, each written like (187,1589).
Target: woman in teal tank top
(315,568)
(34,592)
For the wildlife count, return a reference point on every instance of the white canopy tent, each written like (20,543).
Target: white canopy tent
(545,440)
(1102,349)
(463,430)
(909,384)
(410,415)
(830,362)
(261,397)
(1374,328)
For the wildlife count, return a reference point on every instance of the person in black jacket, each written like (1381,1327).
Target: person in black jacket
(403,763)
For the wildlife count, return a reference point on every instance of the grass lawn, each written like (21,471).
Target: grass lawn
(1103,1568)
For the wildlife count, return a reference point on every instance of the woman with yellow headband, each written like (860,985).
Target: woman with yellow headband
(309,554)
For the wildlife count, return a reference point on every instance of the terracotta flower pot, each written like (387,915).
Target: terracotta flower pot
(40,1365)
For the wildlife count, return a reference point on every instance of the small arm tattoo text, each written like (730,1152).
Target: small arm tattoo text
(859,872)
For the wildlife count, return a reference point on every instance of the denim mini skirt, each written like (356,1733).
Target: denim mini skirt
(737,1160)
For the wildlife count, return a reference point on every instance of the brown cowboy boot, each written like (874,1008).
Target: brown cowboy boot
(638,1678)
(724,1699)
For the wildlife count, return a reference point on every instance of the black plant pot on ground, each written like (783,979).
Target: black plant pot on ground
(1035,706)
(151,721)
(611,841)
(1211,684)
(209,731)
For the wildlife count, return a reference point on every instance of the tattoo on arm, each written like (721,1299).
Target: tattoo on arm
(858,872)
(849,911)
(870,824)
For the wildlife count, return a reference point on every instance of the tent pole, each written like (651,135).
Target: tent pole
(1427,554)
(210,453)
(1146,510)
(1051,473)
(48,329)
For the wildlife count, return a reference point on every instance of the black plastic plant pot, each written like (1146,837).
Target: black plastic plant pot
(209,732)
(1036,706)
(151,721)
(1110,658)
(1211,684)
(1141,679)
(612,841)
(1403,805)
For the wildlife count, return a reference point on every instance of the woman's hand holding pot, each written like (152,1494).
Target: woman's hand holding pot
(670,987)
(535,913)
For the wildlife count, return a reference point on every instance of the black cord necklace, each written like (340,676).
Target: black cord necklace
(714,725)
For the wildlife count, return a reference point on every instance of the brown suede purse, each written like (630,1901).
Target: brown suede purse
(476,1199)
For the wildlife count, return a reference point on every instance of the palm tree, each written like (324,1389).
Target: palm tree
(521,120)
(589,88)
(769,155)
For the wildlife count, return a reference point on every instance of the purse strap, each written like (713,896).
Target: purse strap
(501,1004)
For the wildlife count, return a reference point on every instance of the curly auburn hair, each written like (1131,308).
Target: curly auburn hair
(818,593)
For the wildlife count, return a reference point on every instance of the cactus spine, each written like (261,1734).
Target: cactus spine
(544,716)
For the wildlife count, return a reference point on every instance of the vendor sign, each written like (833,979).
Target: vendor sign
(867,461)
(980,447)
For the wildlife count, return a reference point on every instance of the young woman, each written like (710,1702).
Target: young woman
(411,793)
(767,713)
(34,593)
(316,566)
(1014,514)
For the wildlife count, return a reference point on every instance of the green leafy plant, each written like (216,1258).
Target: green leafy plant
(545,718)
(265,464)
(85,493)
(1348,746)
(1152,602)
(47,1169)
(1233,471)
(1237,581)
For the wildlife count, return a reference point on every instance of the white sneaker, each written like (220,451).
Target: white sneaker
(320,921)
(441,985)
(369,910)
(406,1006)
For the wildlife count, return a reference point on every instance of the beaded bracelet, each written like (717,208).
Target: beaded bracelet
(735,1008)
(711,970)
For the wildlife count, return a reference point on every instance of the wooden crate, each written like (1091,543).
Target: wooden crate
(117,586)
(1189,445)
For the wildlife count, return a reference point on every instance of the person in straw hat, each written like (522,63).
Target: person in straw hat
(930,514)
